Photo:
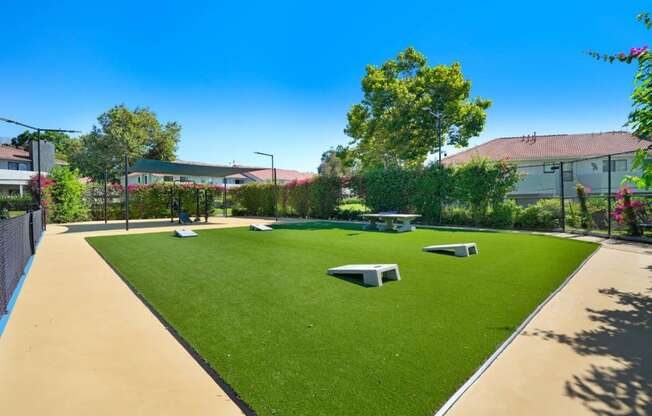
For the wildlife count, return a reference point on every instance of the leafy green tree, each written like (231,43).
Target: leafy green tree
(66,193)
(334,164)
(64,145)
(640,118)
(482,183)
(137,133)
(394,123)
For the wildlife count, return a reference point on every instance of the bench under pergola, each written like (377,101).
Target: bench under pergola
(180,168)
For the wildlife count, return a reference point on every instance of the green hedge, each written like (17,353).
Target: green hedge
(317,197)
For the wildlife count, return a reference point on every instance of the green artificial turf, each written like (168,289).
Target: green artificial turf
(292,340)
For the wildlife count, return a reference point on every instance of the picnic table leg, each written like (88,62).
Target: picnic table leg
(406,226)
(372,224)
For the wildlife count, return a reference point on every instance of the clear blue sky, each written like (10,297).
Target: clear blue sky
(280,76)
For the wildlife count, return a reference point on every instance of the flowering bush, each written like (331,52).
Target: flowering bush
(629,211)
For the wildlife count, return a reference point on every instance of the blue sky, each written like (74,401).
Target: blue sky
(280,76)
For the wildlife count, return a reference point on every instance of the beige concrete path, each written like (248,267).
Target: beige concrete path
(78,341)
(589,350)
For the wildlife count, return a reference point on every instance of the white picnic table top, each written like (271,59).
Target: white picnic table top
(394,216)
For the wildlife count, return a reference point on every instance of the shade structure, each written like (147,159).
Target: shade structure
(179,167)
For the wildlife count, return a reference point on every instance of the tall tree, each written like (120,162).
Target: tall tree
(137,133)
(64,145)
(333,163)
(640,118)
(394,123)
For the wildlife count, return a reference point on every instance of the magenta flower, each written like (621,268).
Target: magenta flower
(636,52)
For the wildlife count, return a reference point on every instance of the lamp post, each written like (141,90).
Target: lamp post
(437,116)
(38,131)
(274,180)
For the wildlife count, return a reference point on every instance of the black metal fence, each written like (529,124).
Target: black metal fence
(18,239)
(587,195)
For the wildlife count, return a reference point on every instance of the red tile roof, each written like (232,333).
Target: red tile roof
(281,174)
(12,153)
(553,147)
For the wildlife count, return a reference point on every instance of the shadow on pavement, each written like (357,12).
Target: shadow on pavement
(624,335)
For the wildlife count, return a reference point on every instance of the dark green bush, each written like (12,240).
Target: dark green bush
(504,214)
(545,214)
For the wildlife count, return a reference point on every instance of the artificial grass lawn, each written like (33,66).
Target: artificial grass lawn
(292,340)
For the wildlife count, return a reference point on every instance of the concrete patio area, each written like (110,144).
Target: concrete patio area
(80,342)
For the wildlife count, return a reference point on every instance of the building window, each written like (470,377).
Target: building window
(616,165)
(168,178)
(138,179)
(17,166)
(145,179)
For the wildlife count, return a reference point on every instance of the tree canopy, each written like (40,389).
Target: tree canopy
(120,131)
(64,145)
(394,123)
(333,164)
(640,118)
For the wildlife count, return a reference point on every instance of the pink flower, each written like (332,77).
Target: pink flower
(635,52)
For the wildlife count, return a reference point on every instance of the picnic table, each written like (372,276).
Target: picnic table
(384,221)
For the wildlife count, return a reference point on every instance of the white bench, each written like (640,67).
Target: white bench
(461,250)
(260,227)
(389,219)
(372,274)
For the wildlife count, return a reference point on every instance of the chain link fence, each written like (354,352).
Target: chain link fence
(590,194)
(18,239)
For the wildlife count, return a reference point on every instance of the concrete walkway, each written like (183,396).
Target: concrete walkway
(78,341)
(588,352)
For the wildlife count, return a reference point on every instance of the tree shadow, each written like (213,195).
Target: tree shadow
(624,335)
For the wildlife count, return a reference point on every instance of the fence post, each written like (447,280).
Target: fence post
(172,201)
(206,203)
(31,232)
(224,198)
(609,194)
(563,208)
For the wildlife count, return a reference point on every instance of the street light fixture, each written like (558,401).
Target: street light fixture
(274,180)
(38,144)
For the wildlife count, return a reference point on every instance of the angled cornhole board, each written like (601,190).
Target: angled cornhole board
(260,227)
(372,274)
(185,233)
(461,250)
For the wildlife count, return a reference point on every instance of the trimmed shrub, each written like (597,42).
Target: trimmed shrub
(254,199)
(66,202)
(386,190)
(325,195)
(504,214)
(350,212)
(545,214)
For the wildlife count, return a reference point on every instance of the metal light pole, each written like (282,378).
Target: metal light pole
(38,131)
(274,180)
(437,116)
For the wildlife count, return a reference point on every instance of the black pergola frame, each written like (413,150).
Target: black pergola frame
(179,168)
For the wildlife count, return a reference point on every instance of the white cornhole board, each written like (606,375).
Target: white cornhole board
(461,250)
(185,233)
(260,227)
(372,274)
